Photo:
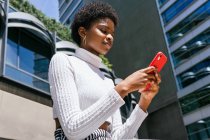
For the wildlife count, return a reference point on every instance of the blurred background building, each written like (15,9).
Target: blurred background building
(179,28)
(67,10)
(25,51)
(186,27)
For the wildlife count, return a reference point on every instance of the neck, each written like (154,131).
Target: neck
(91,50)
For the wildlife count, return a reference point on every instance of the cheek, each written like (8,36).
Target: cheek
(95,39)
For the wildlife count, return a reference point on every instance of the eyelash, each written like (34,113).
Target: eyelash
(105,32)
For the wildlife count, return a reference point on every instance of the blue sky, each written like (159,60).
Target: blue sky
(48,7)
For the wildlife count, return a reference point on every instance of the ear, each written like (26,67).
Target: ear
(82,32)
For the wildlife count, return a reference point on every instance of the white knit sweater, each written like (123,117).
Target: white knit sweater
(83,98)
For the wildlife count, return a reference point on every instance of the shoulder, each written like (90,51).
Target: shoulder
(64,57)
(60,60)
(59,56)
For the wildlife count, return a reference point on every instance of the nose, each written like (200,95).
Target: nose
(109,37)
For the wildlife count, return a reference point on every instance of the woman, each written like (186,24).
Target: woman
(85,102)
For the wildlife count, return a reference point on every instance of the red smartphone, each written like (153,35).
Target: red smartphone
(158,62)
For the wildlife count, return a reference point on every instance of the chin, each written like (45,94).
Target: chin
(104,52)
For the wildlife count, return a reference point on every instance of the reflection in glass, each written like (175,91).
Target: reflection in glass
(195,100)
(199,130)
(26,78)
(11,10)
(175,9)
(188,23)
(74,3)
(70,18)
(11,53)
(191,47)
(162,2)
(195,73)
(27,59)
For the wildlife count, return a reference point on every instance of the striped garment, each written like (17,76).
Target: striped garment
(98,134)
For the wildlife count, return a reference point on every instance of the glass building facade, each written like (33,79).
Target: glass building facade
(27,52)
(26,49)
(27,59)
(186,25)
(67,10)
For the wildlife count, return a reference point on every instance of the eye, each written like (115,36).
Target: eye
(103,31)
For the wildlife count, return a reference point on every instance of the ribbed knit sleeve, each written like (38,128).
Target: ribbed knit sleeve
(77,123)
(130,127)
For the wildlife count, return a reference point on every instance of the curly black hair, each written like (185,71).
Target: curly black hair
(90,13)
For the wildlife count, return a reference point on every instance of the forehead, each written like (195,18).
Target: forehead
(107,22)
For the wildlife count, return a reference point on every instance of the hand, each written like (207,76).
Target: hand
(148,95)
(136,81)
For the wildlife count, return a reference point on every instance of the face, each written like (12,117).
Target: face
(99,38)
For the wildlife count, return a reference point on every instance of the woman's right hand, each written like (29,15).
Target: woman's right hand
(136,81)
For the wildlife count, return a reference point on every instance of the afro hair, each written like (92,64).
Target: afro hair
(90,13)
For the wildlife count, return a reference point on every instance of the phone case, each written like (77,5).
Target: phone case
(158,61)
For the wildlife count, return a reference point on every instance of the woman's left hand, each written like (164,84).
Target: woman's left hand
(148,95)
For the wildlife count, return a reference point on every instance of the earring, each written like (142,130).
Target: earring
(84,40)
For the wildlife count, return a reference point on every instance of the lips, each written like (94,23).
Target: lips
(109,44)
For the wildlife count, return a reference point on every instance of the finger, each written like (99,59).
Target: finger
(148,69)
(148,85)
(158,77)
(155,87)
(151,77)
(148,81)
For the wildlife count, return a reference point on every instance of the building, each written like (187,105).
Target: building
(67,10)
(186,27)
(25,52)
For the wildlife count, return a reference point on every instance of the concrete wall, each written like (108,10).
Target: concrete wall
(22,118)
(138,38)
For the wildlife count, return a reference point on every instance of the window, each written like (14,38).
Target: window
(27,59)
(188,23)
(192,47)
(199,130)
(2,20)
(162,2)
(11,10)
(64,5)
(195,73)
(175,9)
(195,100)
(71,17)
(70,9)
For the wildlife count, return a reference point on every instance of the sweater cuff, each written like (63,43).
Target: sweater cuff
(136,118)
(116,96)
(140,112)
